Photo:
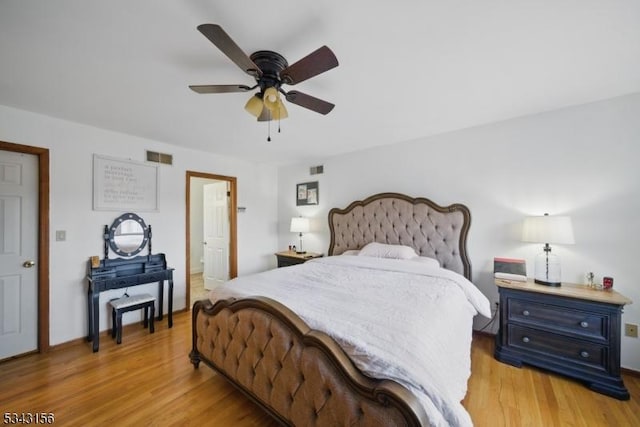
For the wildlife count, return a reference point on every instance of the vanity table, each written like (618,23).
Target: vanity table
(127,236)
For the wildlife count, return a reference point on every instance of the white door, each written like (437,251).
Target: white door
(18,251)
(216,234)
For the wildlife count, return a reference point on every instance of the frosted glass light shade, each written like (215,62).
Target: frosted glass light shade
(254,106)
(271,98)
(267,107)
(281,112)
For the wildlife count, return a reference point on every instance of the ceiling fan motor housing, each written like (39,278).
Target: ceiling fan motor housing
(271,64)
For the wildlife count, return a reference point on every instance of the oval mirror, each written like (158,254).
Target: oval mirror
(128,235)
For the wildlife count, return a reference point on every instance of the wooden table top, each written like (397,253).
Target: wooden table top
(571,290)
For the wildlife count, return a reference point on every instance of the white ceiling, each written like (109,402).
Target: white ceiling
(408,68)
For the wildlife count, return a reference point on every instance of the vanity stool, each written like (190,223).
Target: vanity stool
(130,303)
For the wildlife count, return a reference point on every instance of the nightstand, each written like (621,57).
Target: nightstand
(287,258)
(572,330)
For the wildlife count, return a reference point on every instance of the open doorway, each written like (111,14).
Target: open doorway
(211,232)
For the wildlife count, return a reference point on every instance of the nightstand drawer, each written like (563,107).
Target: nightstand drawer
(563,319)
(547,344)
(287,258)
(286,261)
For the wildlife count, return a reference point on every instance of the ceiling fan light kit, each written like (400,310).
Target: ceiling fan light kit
(254,105)
(271,71)
(271,98)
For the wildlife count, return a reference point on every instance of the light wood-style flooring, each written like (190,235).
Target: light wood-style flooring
(502,395)
(148,381)
(197,289)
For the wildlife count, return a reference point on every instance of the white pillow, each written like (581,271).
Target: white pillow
(350,252)
(430,262)
(381,250)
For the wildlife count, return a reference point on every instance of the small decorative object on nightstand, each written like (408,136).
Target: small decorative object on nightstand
(287,258)
(573,330)
(590,279)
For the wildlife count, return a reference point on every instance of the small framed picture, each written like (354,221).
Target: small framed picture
(307,193)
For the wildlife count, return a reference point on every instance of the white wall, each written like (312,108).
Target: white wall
(71,148)
(580,161)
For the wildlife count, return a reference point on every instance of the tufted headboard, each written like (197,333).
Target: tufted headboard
(432,230)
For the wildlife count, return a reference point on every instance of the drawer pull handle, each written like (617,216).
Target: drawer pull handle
(525,339)
(526,313)
(584,324)
(584,354)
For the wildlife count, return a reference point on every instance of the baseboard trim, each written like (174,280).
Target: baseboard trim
(630,372)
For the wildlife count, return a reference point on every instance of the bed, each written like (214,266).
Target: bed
(376,333)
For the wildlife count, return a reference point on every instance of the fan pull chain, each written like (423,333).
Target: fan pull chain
(269,128)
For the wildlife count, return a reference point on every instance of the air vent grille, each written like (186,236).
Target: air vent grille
(315,170)
(155,157)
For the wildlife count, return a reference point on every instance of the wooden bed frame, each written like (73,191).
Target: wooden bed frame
(302,376)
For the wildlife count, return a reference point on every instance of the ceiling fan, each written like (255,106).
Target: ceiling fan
(271,71)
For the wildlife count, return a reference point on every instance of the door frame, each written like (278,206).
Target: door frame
(43,237)
(233,229)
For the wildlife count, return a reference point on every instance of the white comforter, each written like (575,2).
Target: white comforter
(397,319)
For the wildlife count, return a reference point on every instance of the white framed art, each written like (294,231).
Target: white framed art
(124,185)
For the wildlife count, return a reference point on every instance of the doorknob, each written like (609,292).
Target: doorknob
(28,264)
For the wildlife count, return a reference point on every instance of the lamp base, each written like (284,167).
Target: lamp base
(301,252)
(542,282)
(547,269)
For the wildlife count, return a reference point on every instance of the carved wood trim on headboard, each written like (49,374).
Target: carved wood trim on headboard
(434,231)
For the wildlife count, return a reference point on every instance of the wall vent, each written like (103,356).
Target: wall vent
(155,157)
(315,170)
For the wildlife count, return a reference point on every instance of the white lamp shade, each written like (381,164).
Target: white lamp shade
(548,229)
(299,225)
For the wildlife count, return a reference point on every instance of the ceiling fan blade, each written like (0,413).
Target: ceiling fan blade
(222,41)
(310,102)
(219,88)
(315,63)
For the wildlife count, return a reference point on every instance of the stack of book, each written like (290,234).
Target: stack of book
(510,269)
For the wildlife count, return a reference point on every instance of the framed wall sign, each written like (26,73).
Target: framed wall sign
(307,193)
(124,185)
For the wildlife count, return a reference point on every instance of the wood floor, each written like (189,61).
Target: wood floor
(502,395)
(148,380)
(197,290)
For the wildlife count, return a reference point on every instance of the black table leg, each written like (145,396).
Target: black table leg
(170,313)
(89,315)
(95,297)
(160,298)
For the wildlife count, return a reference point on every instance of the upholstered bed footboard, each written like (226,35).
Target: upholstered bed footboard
(300,376)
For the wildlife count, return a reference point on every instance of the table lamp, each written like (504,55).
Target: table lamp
(548,229)
(300,225)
